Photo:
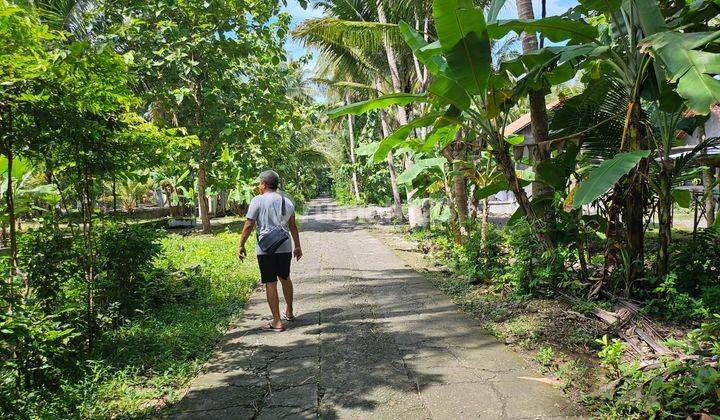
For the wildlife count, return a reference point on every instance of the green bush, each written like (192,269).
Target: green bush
(51,263)
(126,278)
(160,304)
(533,270)
(480,264)
(372,183)
(696,265)
(692,289)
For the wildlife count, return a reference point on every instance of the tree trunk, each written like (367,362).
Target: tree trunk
(351,134)
(114,194)
(708,179)
(203,206)
(397,202)
(485,219)
(634,209)
(85,187)
(9,196)
(710,208)
(665,228)
(506,167)
(459,185)
(538,110)
(414,211)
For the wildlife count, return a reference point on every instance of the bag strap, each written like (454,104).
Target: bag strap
(282,205)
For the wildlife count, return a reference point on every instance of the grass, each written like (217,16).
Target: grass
(142,367)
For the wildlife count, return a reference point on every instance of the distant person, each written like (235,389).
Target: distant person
(273,216)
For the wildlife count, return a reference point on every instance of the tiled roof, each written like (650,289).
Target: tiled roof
(525,120)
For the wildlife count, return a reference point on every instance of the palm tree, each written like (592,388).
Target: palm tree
(538,110)
(349,39)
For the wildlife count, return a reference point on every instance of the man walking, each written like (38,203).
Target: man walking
(273,216)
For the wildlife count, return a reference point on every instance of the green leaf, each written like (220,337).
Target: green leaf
(494,10)
(418,168)
(450,92)
(682,197)
(492,189)
(401,134)
(445,130)
(650,16)
(368,149)
(602,178)
(554,28)
(426,54)
(552,174)
(358,108)
(515,140)
(691,69)
(464,39)
(602,6)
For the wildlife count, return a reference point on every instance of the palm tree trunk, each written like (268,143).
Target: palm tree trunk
(351,134)
(414,212)
(459,184)
(397,202)
(538,110)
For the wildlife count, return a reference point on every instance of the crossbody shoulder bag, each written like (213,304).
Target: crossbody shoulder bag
(271,241)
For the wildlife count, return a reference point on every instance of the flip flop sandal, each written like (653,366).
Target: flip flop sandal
(269,327)
(287,318)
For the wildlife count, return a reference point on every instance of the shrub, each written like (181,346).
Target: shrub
(669,302)
(126,278)
(691,291)
(696,265)
(533,270)
(49,258)
(483,264)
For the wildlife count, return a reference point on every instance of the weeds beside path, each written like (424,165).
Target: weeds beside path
(195,288)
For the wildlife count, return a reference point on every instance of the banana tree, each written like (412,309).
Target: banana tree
(467,93)
(670,171)
(645,52)
(28,192)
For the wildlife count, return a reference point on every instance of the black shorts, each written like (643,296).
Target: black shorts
(273,266)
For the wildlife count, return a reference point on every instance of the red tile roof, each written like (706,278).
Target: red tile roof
(525,120)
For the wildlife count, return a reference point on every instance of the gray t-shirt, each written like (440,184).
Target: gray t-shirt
(266,211)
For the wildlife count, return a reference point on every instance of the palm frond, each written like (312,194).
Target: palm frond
(599,107)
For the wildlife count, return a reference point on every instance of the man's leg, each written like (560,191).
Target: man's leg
(287,287)
(274,301)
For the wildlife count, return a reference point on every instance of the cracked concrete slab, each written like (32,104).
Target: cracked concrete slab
(373,339)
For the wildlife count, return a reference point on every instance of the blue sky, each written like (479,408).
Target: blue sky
(296,50)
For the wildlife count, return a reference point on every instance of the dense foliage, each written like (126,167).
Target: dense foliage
(110,105)
(601,163)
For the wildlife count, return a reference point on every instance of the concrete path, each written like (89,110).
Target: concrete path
(373,340)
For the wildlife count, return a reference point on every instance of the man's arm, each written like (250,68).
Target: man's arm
(247,230)
(297,252)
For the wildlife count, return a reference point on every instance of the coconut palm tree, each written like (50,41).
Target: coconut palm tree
(357,50)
